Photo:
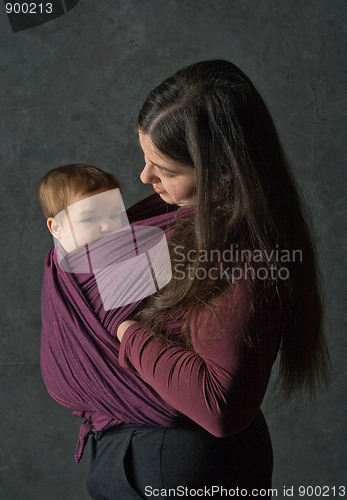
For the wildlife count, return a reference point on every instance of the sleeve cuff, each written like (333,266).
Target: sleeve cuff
(126,345)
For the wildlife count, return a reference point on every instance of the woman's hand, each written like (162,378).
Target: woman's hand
(122,327)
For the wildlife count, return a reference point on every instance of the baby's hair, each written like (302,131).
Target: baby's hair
(59,185)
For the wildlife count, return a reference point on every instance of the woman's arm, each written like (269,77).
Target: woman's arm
(221,383)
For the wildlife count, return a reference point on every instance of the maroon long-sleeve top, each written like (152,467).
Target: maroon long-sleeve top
(219,384)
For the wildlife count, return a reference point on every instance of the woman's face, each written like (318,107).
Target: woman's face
(173,181)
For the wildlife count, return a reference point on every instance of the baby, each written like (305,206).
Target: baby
(81,203)
(86,216)
(98,273)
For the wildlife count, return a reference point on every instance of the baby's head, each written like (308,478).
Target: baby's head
(81,203)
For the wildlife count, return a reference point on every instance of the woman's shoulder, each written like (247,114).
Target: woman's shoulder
(250,304)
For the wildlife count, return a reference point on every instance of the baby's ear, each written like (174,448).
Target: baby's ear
(54,228)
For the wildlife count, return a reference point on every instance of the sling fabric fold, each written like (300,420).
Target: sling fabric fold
(79,349)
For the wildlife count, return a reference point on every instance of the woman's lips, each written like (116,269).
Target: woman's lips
(158,190)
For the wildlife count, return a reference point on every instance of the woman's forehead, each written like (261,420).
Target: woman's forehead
(157,157)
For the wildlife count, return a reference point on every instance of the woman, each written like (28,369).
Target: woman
(244,289)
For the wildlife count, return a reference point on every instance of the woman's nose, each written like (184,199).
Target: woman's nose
(147,175)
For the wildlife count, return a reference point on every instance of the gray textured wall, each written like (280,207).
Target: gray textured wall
(71,90)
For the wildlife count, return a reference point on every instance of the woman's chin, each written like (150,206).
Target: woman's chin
(170,201)
(167,198)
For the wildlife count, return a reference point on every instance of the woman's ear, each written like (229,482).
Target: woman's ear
(54,228)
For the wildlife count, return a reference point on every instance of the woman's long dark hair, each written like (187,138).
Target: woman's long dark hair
(210,116)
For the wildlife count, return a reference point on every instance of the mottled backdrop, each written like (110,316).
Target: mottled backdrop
(71,90)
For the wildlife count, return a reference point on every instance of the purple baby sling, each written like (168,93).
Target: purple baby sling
(79,349)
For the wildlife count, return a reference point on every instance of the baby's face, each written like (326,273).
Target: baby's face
(89,218)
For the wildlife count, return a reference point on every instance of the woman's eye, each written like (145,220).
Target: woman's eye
(163,174)
(115,216)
